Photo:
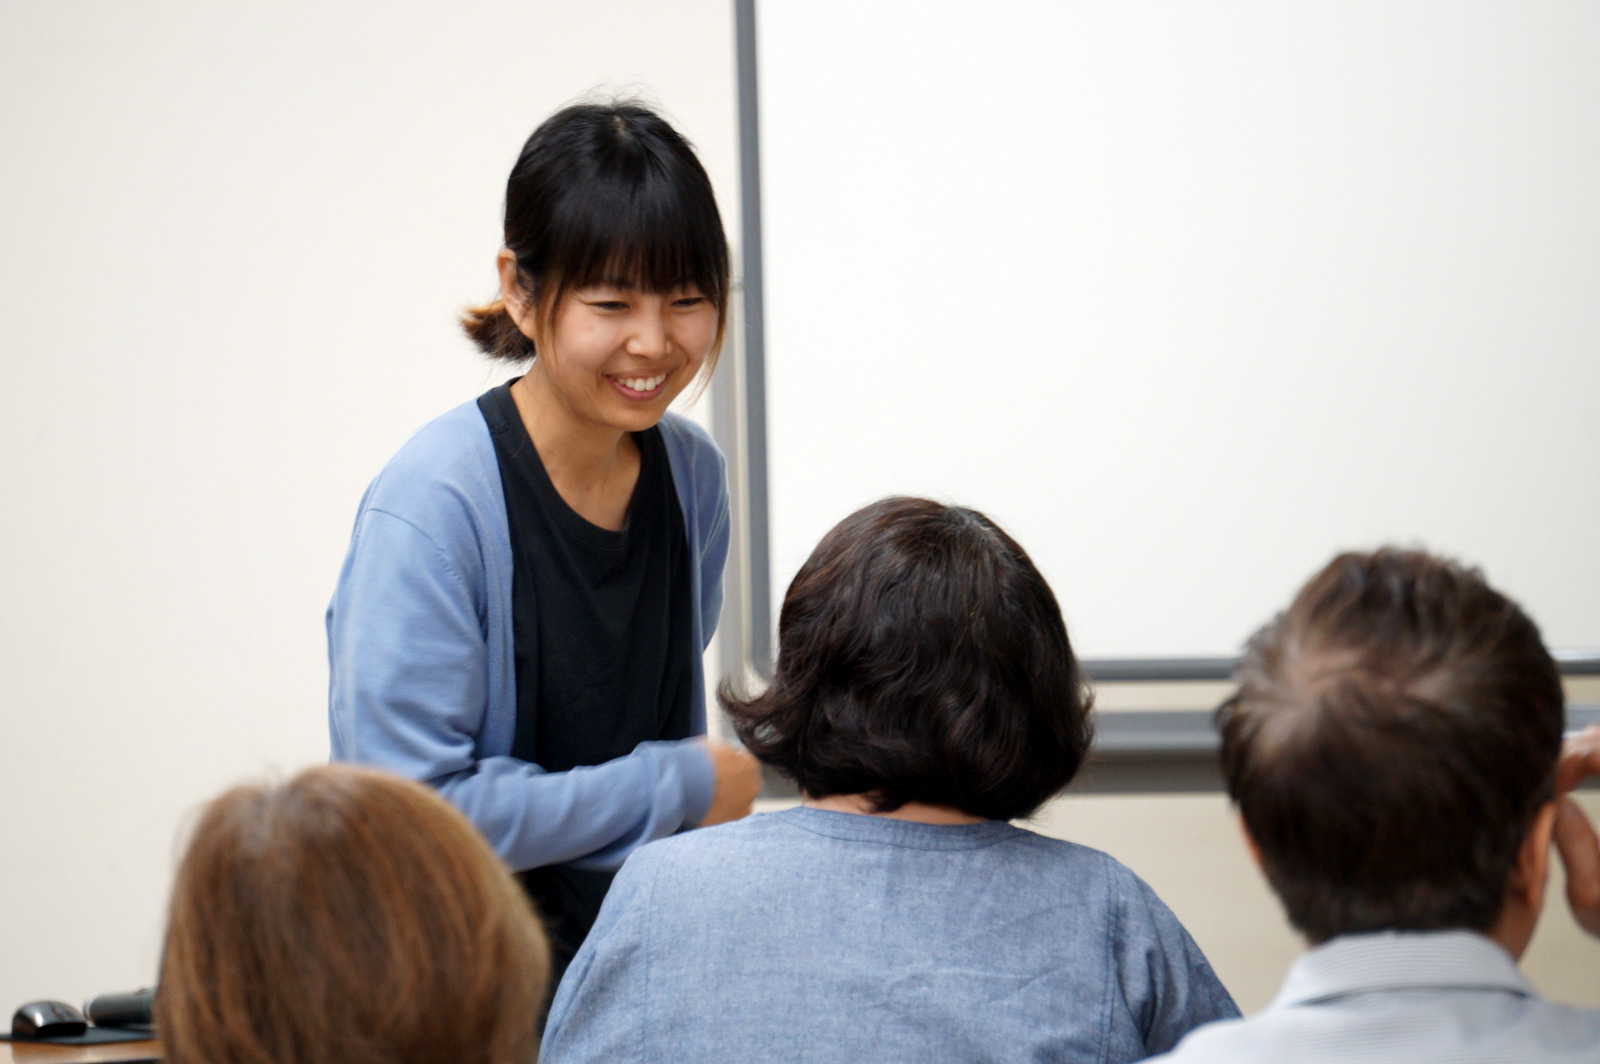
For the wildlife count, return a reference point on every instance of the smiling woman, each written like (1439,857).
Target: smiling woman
(534,576)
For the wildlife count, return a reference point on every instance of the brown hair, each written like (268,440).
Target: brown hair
(922,659)
(1394,733)
(347,917)
(605,193)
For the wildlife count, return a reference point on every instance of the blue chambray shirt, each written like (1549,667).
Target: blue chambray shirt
(813,937)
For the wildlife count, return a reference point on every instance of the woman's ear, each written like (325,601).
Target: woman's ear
(513,295)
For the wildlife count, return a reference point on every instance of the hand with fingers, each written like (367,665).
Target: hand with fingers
(1575,837)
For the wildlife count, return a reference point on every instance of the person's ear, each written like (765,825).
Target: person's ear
(1532,869)
(517,302)
(1524,896)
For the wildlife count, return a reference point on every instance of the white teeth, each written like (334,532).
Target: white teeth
(642,384)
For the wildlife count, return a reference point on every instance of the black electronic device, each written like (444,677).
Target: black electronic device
(121,1010)
(47,1019)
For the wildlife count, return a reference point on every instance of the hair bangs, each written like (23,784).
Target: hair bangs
(639,231)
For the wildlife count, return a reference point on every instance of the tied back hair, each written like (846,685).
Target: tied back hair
(604,194)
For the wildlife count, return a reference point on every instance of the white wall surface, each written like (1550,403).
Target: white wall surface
(1188,296)
(233,239)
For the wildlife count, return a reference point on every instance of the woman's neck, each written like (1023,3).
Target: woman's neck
(593,467)
(916,812)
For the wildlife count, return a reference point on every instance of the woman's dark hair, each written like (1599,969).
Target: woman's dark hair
(1395,732)
(605,193)
(922,658)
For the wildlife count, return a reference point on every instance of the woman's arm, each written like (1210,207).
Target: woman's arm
(409,693)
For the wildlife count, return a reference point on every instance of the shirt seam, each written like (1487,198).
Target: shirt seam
(1113,952)
(980,844)
(444,559)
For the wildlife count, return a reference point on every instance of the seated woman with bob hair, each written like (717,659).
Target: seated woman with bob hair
(926,694)
(347,917)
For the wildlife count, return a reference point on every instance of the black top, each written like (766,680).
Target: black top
(602,629)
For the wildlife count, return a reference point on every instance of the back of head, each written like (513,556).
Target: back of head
(922,659)
(1394,733)
(346,917)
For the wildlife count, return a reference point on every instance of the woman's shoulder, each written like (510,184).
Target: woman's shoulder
(688,430)
(1063,853)
(1098,877)
(758,845)
(444,472)
(1132,905)
(690,446)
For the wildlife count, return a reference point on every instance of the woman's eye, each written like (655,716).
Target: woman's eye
(688,302)
(610,304)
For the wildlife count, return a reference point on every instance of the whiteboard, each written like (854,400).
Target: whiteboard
(1190,296)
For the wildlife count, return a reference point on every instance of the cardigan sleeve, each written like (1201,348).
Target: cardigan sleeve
(408,694)
(714,549)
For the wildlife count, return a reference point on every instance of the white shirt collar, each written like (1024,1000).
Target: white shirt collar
(1396,960)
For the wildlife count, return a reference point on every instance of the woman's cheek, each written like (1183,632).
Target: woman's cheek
(705,332)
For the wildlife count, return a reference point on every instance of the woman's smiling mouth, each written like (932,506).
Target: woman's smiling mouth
(639,387)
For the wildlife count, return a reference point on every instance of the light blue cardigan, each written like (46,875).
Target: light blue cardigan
(422,679)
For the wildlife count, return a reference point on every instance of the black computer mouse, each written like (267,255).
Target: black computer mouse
(47,1019)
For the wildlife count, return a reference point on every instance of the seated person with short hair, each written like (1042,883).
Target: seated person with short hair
(925,695)
(1392,750)
(347,917)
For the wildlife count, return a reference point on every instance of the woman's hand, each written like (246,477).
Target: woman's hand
(738,779)
(1575,836)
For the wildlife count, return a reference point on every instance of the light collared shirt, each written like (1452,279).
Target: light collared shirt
(1437,997)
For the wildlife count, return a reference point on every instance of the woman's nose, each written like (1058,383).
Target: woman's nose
(649,339)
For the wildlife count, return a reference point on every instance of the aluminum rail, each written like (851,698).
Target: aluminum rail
(1166,751)
(1186,670)
(1175,751)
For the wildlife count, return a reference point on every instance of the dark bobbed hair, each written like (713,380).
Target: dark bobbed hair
(605,193)
(922,659)
(347,917)
(1394,734)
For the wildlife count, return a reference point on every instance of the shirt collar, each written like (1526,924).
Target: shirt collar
(1399,960)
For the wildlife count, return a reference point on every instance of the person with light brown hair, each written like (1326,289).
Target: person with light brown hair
(347,917)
